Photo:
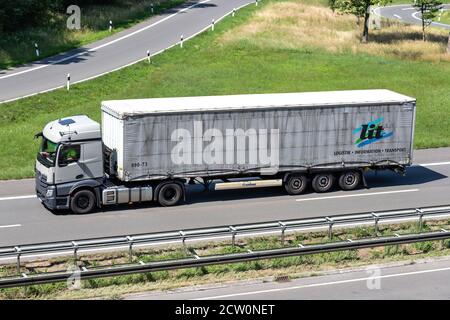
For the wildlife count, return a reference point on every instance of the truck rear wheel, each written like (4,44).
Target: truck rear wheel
(296,184)
(82,202)
(349,180)
(170,194)
(323,182)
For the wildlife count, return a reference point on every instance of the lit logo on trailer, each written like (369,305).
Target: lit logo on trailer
(371,132)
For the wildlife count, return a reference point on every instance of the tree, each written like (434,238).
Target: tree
(429,10)
(361,9)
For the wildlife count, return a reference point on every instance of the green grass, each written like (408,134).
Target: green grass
(18,48)
(445,17)
(208,66)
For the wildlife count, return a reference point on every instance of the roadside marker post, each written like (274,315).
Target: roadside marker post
(212,25)
(68,81)
(256,2)
(110,26)
(36,47)
(181,41)
(152,8)
(148,56)
(234,12)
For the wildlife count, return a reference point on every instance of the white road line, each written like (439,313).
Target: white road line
(397,16)
(404,9)
(106,44)
(432,164)
(18,197)
(10,226)
(324,284)
(358,195)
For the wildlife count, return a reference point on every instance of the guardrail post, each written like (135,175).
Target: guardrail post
(233,235)
(183,238)
(330,227)
(376,219)
(75,252)
(420,213)
(130,248)
(18,251)
(283,229)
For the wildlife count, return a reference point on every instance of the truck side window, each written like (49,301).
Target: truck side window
(69,154)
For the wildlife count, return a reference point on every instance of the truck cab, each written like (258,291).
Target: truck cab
(69,160)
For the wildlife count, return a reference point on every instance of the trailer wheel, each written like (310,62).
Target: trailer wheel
(296,184)
(349,180)
(322,182)
(82,201)
(170,194)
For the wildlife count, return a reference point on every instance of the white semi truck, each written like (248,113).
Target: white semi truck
(149,149)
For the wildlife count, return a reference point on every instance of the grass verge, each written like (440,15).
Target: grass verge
(18,48)
(263,49)
(115,287)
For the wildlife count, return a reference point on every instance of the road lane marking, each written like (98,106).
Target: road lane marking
(397,16)
(432,164)
(10,226)
(18,197)
(325,284)
(404,9)
(358,195)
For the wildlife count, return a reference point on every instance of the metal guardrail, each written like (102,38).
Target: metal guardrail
(281,227)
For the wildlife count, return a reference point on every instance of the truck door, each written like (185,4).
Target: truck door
(68,167)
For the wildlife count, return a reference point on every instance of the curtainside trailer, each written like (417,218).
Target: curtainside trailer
(150,149)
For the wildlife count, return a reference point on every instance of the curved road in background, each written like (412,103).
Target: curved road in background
(408,14)
(124,48)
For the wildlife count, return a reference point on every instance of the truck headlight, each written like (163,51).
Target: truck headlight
(49,193)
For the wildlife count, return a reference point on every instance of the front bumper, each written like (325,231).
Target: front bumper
(48,196)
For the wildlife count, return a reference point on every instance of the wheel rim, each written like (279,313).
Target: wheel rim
(169,194)
(349,179)
(296,184)
(324,181)
(83,202)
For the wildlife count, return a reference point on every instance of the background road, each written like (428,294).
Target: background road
(420,281)
(408,14)
(117,51)
(24,220)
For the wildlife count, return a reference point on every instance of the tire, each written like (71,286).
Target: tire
(323,182)
(296,184)
(349,180)
(82,202)
(170,194)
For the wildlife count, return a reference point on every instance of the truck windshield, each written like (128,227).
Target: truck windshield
(47,152)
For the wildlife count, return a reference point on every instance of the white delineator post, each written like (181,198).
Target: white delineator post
(148,56)
(152,8)
(110,26)
(256,2)
(212,24)
(448,44)
(234,12)
(68,82)
(36,47)
(181,41)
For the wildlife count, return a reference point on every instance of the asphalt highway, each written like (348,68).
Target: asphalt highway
(122,49)
(418,281)
(408,14)
(23,220)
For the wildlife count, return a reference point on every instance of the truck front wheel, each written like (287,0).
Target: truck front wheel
(82,202)
(322,182)
(349,180)
(296,184)
(170,194)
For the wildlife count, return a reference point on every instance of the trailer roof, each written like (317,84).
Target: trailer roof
(134,107)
